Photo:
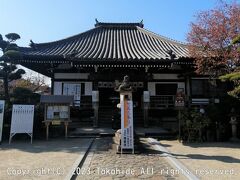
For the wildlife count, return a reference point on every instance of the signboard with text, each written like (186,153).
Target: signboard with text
(1,117)
(127,139)
(22,120)
(180,98)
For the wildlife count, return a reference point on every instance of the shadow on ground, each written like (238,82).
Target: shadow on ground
(213,144)
(52,145)
(226,159)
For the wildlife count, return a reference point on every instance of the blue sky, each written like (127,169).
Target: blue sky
(49,20)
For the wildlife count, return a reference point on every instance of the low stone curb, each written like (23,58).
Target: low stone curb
(171,159)
(78,163)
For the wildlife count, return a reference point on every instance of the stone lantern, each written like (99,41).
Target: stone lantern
(233,121)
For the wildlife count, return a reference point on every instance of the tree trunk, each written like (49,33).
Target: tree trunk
(6,94)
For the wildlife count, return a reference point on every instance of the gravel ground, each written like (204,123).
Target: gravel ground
(103,163)
(216,160)
(51,159)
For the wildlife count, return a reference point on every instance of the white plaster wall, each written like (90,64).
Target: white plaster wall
(58,87)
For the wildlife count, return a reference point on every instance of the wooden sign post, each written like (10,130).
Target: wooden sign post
(179,104)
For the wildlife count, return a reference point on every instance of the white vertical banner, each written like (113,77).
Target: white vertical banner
(2,102)
(127,139)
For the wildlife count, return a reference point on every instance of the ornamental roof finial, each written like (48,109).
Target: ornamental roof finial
(32,45)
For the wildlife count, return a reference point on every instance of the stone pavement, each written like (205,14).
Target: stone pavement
(215,160)
(51,159)
(103,163)
(54,159)
(90,131)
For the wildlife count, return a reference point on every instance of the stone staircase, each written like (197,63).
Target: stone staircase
(81,118)
(105,114)
(84,118)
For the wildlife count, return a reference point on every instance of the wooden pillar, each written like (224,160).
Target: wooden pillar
(95,106)
(47,129)
(146,98)
(52,86)
(95,119)
(146,102)
(188,90)
(66,129)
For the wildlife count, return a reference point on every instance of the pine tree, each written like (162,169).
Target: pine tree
(234,76)
(9,70)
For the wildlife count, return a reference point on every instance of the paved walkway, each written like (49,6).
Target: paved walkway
(215,160)
(54,159)
(104,131)
(51,159)
(103,163)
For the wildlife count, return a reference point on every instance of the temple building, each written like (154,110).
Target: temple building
(90,65)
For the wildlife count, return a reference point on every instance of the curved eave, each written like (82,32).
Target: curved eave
(61,59)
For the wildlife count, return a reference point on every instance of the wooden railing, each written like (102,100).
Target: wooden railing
(156,102)
(162,101)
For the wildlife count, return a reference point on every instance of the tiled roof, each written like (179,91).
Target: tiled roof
(111,41)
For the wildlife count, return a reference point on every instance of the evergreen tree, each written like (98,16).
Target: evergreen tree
(9,70)
(234,76)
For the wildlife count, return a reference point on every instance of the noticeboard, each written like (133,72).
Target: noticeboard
(57,112)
